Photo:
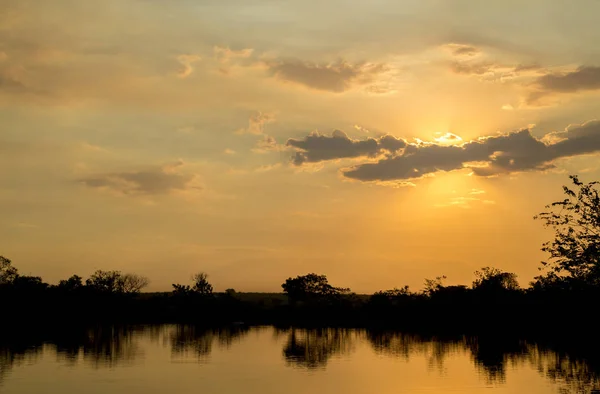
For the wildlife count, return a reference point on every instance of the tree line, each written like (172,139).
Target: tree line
(569,281)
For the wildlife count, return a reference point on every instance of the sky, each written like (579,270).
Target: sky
(379,143)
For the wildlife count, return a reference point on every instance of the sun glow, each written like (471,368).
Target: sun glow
(448,139)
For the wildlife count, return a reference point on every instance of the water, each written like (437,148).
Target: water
(264,360)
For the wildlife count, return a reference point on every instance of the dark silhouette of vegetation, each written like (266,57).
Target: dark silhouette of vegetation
(200,286)
(575,251)
(311,287)
(112,282)
(495,280)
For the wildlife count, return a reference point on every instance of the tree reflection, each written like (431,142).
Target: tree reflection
(402,345)
(313,348)
(108,346)
(198,341)
(16,352)
(491,354)
(574,368)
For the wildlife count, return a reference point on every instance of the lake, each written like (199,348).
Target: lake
(265,360)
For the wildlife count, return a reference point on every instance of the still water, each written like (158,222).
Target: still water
(265,360)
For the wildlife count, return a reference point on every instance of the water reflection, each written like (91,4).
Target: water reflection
(313,348)
(404,346)
(198,341)
(574,370)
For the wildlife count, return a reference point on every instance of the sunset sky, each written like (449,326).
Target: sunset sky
(378,142)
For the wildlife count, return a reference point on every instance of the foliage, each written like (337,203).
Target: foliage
(28,283)
(230,292)
(393,293)
(434,285)
(73,283)
(575,250)
(133,283)
(181,289)
(115,282)
(104,281)
(493,279)
(311,285)
(8,273)
(201,284)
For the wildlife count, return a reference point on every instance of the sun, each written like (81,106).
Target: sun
(448,139)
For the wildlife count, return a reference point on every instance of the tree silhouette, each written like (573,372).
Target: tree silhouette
(73,283)
(308,286)
(201,285)
(133,283)
(8,273)
(575,250)
(434,285)
(104,281)
(115,282)
(493,279)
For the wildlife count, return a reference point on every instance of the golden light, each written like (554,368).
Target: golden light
(448,139)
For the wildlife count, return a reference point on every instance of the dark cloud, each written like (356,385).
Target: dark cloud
(502,154)
(150,182)
(316,147)
(493,71)
(472,68)
(528,67)
(333,77)
(583,78)
(463,50)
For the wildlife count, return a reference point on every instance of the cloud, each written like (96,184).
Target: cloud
(447,138)
(463,50)
(316,147)
(155,181)
(332,77)
(487,156)
(229,151)
(186,62)
(582,79)
(224,54)
(257,122)
(267,144)
(228,57)
(10,84)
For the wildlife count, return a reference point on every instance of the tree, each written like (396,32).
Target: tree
(493,279)
(230,292)
(73,283)
(132,283)
(26,283)
(394,293)
(201,285)
(105,281)
(434,285)
(8,273)
(181,289)
(115,282)
(311,285)
(575,250)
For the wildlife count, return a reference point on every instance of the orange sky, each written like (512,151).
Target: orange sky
(378,143)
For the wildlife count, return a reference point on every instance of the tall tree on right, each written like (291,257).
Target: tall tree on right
(575,250)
